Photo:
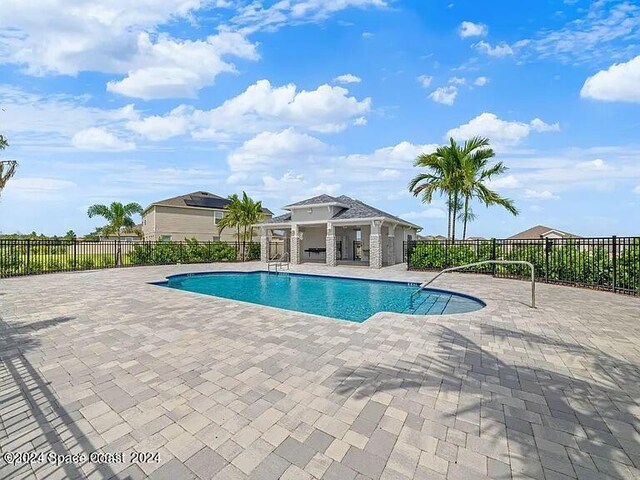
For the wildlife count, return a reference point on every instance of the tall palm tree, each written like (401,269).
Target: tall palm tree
(474,157)
(233,216)
(7,167)
(460,173)
(440,178)
(120,220)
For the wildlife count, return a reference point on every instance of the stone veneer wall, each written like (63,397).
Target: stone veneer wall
(264,248)
(331,248)
(295,249)
(375,250)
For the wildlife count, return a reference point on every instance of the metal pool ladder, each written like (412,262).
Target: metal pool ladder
(278,262)
(486,262)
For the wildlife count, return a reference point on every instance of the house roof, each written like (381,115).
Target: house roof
(200,199)
(539,231)
(351,209)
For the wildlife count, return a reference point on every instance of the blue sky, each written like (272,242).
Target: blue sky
(104,101)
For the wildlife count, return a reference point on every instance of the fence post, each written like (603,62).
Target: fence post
(75,254)
(493,256)
(28,256)
(547,250)
(615,262)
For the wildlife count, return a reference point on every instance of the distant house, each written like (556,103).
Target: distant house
(194,215)
(338,230)
(541,231)
(131,236)
(439,238)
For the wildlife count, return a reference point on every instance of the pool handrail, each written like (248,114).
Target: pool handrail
(485,262)
(278,262)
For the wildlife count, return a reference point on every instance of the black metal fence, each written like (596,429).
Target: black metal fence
(605,263)
(30,257)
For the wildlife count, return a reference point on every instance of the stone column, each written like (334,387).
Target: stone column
(295,244)
(264,245)
(375,245)
(331,245)
(391,247)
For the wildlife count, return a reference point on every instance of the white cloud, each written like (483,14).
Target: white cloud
(329,189)
(34,189)
(481,81)
(540,194)
(99,139)
(262,106)
(269,150)
(254,16)
(156,127)
(432,212)
(508,181)
(114,38)
(425,80)
(347,78)
(619,83)
(400,156)
(499,50)
(499,132)
(637,189)
(471,29)
(457,81)
(444,95)
(595,165)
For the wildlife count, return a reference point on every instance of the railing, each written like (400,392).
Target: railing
(604,263)
(36,256)
(486,262)
(278,261)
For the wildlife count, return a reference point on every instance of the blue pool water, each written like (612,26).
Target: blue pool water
(337,297)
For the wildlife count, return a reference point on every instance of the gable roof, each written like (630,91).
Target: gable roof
(351,209)
(539,231)
(213,201)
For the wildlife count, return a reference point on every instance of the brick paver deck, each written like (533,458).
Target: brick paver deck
(103,361)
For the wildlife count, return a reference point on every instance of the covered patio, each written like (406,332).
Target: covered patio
(336,231)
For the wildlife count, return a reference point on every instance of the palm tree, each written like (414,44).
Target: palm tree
(120,220)
(233,217)
(474,157)
(460,173)
(441,178)
(7,167)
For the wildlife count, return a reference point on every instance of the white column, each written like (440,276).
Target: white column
(375,245)
(264,244)
(391,247)
(295,244)
(331,245)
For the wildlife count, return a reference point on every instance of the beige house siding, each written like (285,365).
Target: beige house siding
(182,223)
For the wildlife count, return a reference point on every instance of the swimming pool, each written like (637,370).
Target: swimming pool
(338,297)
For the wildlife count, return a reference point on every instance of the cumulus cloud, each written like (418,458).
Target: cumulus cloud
(481,81)
(619,83)
(35,189)
(637,189)
(540,194)
(499,50)
(400,156)
(507,181)
(347,78)
(99,139)
(444,95)
(471,29)
(500,132)
(425,80)
(457,81)
(81,35)
(269,150)
(262,106)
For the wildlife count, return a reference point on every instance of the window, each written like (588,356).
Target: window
(165,238)
(216,239)
(217,216)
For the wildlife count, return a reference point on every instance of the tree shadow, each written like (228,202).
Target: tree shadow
(44,419)
(575,422)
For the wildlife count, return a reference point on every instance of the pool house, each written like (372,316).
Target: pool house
(336,231)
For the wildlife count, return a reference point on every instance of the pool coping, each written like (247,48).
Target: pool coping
(368,319)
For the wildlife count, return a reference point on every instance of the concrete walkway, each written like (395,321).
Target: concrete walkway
(180,385)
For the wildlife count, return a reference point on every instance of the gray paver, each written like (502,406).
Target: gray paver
(105,360)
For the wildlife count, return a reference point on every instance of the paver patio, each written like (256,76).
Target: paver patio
(105,361)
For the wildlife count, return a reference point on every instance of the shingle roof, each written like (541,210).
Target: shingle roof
(355,209)
(314,201)
(181,201)
(537,231)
